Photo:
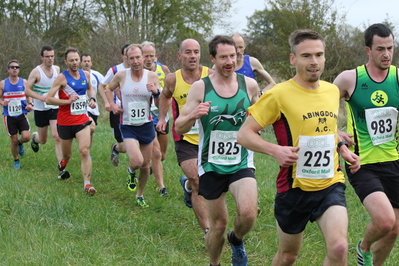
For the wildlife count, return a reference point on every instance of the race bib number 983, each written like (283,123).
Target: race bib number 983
(381,124)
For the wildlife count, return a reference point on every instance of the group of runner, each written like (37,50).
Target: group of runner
(217,118)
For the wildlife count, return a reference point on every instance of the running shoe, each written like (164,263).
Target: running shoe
(363,258)
(21,150)
(90,190)
(187,195)
(131,181)
(239,257)
(17,164)
(63,175)
(141,202)
(114,155)
(34,145)
(163,192)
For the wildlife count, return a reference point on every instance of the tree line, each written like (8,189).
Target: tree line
(102,27)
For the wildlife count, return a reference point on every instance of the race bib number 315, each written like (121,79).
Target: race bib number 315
(316,157)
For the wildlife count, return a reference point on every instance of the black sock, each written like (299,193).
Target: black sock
(234,240)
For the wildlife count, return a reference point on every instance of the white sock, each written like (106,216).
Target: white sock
(86,183)
(130,170)
(186,188)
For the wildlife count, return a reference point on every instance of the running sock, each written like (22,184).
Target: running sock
(62,164)
(130,171)
(114,150)
(186,188)
(86,183)
(234,240)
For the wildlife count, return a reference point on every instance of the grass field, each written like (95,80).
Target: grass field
(45,221)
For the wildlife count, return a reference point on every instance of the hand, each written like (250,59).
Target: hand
(116,109)
(351,158)
(152,88)
(5,102)
(107,107)
(201,109)
(161,126)
(92,104)
(29,107)
(347,137)
(73,98)
(286,155)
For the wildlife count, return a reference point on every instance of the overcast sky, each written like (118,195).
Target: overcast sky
(359,12)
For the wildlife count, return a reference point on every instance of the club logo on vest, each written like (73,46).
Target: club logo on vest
(379,98)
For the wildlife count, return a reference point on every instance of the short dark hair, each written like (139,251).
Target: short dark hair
(70,50)
(46,48)
(81,57)
(299,36)
(378,29)
(220,39)
(124,48)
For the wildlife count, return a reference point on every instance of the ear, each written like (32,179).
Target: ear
(212,59)
(368,50)
(292,59)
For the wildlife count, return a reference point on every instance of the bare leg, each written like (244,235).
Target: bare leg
(190,169)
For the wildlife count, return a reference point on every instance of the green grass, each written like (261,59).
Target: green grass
(45,221)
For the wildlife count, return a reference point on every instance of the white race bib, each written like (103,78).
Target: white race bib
(381,124)
(138,113)
(78,107)
(223,148)
(14,108)
(316,157)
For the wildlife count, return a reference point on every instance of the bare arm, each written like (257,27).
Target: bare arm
(249,138)
(33,78)
(252,89)
(165,101)
(101,90)
(165,69)
(28,107)
(109,92)
(193,109)
(90,91)
(346,82)
(2,101)
(258,68)
(153,86)
(59,84)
